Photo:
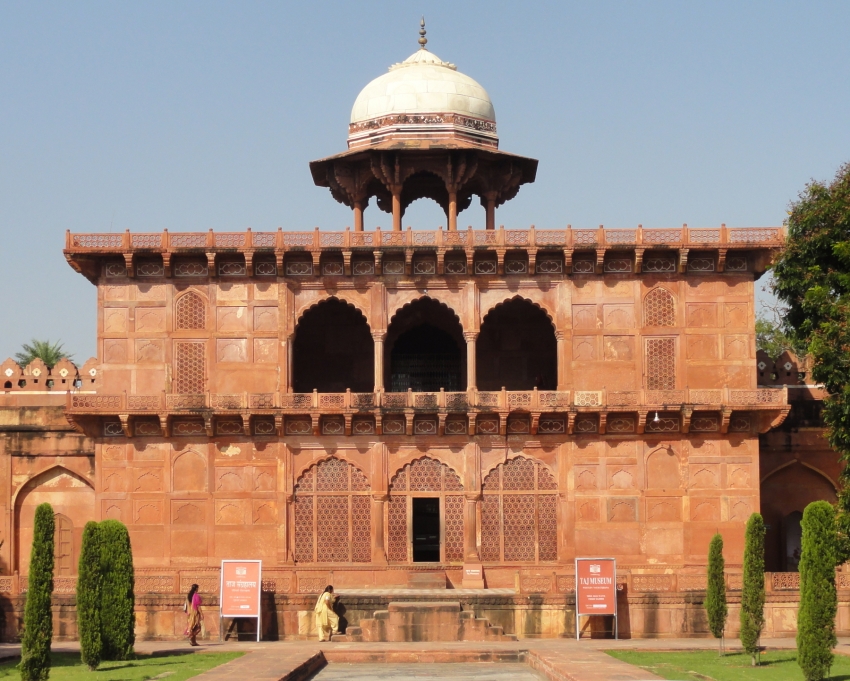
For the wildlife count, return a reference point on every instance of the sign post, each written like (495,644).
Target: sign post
(596,589)
(240,591)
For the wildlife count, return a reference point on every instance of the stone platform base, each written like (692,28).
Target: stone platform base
(424,621)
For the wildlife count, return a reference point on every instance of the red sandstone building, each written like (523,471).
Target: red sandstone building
(405,407)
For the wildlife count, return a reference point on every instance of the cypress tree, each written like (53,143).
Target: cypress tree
(117,599)
(89,597)
(752,594)
(38,618)
(818,601)
(715,591)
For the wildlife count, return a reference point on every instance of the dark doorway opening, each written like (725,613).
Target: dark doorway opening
(425,349)
(426,529)
(517,348)
(333,350)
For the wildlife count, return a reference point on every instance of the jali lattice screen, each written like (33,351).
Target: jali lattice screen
(519,513)
(333,514)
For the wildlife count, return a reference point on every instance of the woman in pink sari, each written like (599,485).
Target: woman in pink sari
(194,617)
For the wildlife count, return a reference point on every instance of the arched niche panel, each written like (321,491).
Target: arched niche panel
(71,496)
(333,514)
(519,513)
(662,469)
(189,472)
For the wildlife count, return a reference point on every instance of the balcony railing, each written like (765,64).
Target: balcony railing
(315,240)
(470,400)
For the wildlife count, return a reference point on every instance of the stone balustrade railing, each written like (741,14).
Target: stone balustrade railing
(315,240)
(477,400)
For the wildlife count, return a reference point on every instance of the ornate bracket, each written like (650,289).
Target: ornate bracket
(687,412)
(725,417)
(278,424)
(378,262)
(441,423)
(600,260)
(641,425)
(211,265)
(347,424)
(568,260)
(535,422)
(721,260)
(346,263)
(128,263)
(316,426)
(471,416)
(503,423)
(246,424)
(638,259)
(166,263)
(571,422)
(379,424)
(603,422)
(208,425)
(125,424)
(163,424)
(683,260)
(408,423)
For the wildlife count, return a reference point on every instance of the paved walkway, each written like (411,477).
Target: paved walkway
(555,659)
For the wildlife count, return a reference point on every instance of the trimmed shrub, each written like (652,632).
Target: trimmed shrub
(818,600)
(715,590)
(89,597)
(117,599)
(38,618)
(752,593)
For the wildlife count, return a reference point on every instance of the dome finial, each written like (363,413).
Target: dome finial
(422,39)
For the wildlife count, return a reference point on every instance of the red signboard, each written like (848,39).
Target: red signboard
(596,586)
(240,588)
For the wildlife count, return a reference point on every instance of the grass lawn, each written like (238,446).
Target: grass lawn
(174,667)
(776,665)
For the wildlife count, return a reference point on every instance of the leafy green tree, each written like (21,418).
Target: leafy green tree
(715,592)
(38,617)
(818,599)
(773,338)
(89,582)
(118,619)
(47,352)
(752,593)
(812,278)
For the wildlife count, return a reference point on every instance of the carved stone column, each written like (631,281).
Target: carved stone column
(396,208)
(379,552)
(378,337)
(452,210)
(471,377)
(470,528)
(490,211)
(560,337)
(358,216)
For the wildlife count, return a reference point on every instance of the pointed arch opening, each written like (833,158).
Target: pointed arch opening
(517,348)
(424,350)
(73,500)
(783,493)
(333,350)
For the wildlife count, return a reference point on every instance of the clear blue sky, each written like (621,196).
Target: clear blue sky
(198,115)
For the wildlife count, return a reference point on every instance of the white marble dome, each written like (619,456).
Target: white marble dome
(422,84)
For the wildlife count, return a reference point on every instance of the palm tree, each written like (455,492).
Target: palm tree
(47,352)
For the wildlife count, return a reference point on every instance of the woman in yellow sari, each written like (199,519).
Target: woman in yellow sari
(327,621)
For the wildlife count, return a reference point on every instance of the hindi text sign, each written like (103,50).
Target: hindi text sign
(240,588)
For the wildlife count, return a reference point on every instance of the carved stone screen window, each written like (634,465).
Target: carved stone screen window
(425,477)
(333,514)
(189,367)
(519,513)
(660,363)
(190,312)
(659,308)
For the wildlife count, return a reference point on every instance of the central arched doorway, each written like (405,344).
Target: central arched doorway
(425,349)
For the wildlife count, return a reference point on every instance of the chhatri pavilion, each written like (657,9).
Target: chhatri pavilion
(458,413)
